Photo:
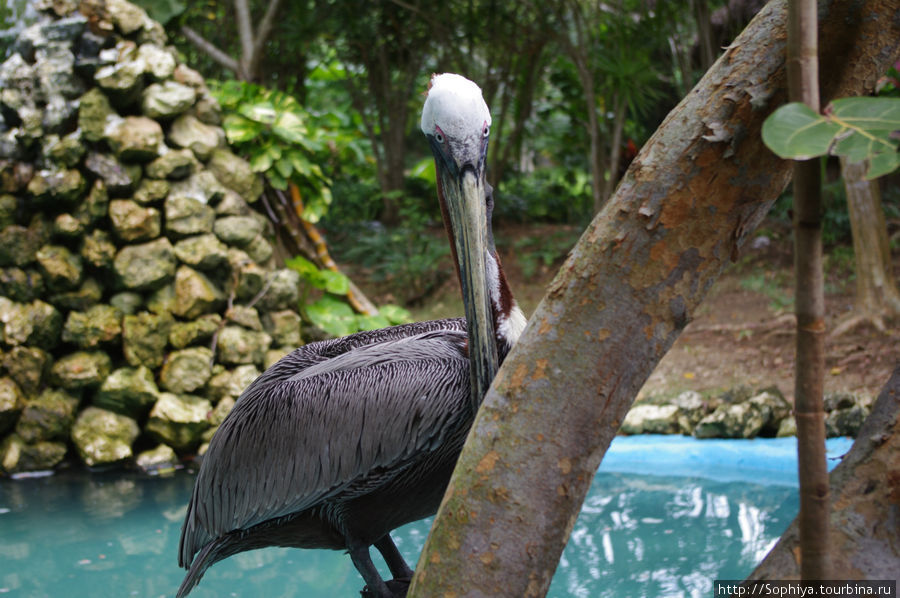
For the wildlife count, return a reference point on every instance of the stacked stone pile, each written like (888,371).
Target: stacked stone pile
(138,294)
(741,413)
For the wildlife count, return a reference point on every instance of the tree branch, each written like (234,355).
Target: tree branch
(245,32)
(211,50)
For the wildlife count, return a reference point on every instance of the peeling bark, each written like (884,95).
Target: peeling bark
(865,513)
(689,200)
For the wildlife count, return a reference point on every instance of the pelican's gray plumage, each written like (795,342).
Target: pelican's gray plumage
(344,440)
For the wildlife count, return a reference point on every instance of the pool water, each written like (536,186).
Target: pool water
(716,512)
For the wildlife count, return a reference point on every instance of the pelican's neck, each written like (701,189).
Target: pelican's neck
(509,321)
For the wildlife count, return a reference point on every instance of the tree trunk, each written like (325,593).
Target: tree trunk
(809,304)
(609,184)
(877,295)
(863,519)
(690,199)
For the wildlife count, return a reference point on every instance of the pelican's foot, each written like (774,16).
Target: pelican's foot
(396,587)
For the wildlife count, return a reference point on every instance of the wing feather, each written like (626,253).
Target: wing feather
(333,419)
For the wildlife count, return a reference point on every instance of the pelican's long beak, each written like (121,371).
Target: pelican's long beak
(464,195)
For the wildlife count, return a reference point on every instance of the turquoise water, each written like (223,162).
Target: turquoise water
(665,517)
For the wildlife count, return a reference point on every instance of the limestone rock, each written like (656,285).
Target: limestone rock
(49,416)
(158,62)
(651,419)
(146,266)
(68,227)
(284,327)
(66,151)
(167,100)
(98,250)
(787,427)
(129,391)
(17,456)
(237,230)
(95,114)
(204,252)
(186,370)
(57,186)
(741,420)
(195,331)
(233,204)
(160,460)
(187,216)
(245,316)
(231,383)
(151,191)
(80,299)
(11,404)
(162,300)
(119,179)
(127,302)
(18,245)
(238,345)
(275,355)
(136,139)
(131,222)
(845,421)
(202,186)
(283,292)
(144,338)
(27,366)
(195,294)
(127,17)
(179,420)
(81,369)
(235,173)
(123,81)
(259,249)
(95,206)
(89,329)
(103,437)
(219,412)
(173,164)
(60,268)
(36,324)
(188,132)
(21,285)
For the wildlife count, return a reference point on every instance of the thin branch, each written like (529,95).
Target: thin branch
(262,35)
(245,32)
(211,50)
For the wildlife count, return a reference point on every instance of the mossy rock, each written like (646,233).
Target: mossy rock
(36,324)
(238,345)
(166,100)
(98,325)
(237,230)
(49,416)
(173,164)
(200,330)
(186,216)
(17,456)
(144,338)
(203,252)
(81,369)
(235,173)
(21,285)
(159,460)
(186,370)
(11,403)
(188,132)
(145,266)
(98,250)
(83,298)
(62,269)
(136,139)
(103,437)
(179,420)
(283,326)
(128,391)
(133,222)
(27,366)
(18,245)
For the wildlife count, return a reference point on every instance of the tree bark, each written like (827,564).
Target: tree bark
(809,304)
(684,208)
(863,519)
(877,295)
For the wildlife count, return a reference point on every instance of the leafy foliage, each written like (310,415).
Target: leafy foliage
(273,130)
(857,128)
(331,312)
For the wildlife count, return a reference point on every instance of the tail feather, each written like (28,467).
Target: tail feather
(213,552)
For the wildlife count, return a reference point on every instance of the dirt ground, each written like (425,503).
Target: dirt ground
(743,332)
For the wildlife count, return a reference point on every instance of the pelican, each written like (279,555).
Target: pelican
(344,440)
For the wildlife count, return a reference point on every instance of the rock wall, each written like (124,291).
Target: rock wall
(138,293)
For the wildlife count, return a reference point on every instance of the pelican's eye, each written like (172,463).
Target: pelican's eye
(438,134)
(486,131)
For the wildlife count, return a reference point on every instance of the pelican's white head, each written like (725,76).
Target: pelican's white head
(455,113)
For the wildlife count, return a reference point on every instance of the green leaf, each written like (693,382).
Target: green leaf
(289,126)
(302,266)
(796,131)
(394,314)
(261,162)
(870,114)
(239,129)
(261,112)
(284,167)
(372,322)
(333,316)
(883,164)
(335,282)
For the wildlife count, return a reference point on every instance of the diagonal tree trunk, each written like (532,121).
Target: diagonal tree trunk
(809,303)
(689,200)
